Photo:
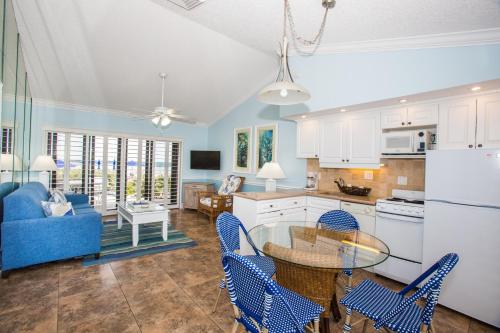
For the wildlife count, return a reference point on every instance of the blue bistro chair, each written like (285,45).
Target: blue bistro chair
(392,310)
(261,305)
(339,220)
(228,226)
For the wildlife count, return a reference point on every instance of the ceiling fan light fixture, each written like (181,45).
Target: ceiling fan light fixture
(156,120)
(165,121)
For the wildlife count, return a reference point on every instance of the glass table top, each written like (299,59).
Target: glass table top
(142,207)
(303,243)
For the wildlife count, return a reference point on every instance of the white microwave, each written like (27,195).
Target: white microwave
(414,142)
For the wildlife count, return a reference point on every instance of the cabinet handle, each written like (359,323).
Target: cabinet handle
(316,155)
(347,161)
(480,145)
(281,214)
(409,123)
(403,123)
(343,160)
(271,206)
(295,202)
(471,146)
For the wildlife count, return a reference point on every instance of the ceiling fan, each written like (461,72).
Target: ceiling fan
(163,116)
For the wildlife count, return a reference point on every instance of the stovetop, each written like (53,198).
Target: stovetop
(410,201)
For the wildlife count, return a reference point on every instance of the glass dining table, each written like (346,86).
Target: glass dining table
(309,258)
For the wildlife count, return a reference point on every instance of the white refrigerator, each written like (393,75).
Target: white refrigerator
(462,215)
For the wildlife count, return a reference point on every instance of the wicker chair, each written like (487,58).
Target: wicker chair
(393,311)
(261,305)
(212,204)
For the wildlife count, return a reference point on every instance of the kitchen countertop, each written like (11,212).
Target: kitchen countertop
(281,194)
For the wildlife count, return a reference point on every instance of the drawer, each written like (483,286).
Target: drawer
(295,202)
(322,203)
(268,206)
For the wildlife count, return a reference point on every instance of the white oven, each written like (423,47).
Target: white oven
(415,142)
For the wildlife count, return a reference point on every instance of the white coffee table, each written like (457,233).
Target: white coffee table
(136,215)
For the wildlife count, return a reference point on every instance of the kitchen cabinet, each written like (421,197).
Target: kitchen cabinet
(332,144)
(412,116)
(350,141)
(488,121)
(470,123)
(308,139)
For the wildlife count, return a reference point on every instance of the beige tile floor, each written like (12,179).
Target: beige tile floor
(167,292)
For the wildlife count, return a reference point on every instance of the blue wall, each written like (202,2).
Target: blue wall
(250,114)
(352,78)
(194,137)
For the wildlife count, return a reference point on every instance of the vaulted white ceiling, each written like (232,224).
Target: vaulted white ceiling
(108,53)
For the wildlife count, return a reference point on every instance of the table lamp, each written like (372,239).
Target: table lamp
(44,164)
(271,171)
(9,163)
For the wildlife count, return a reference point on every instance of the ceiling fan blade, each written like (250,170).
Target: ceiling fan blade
(181,118)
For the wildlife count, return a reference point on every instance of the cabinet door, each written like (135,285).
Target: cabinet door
(294,215)
(457,124)
(488,121)
(422,115)
(363,139)
(332,140)
(268,217)
(393,118)
(313,214)
(308,139)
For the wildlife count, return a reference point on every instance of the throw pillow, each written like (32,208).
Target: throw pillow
(57,209)
(57,196)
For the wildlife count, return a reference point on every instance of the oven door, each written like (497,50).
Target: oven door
(399,142)
(404,237)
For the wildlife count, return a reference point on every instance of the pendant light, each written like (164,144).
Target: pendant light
(285,91)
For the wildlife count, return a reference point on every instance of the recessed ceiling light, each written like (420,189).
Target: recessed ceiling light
(303,116)
(476,88)
(403,100)
(343,110)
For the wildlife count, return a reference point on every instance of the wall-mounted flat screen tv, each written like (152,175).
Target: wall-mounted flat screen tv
(205,160)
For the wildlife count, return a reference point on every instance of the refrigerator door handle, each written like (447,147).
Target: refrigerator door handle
(462,204)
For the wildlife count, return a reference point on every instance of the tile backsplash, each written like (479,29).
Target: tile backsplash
(384,180)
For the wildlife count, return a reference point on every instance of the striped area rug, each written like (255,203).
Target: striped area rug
(116,244)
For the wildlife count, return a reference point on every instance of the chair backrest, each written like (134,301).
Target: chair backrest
(441,268)
(227,226)
(230,185)
(338,220)
(431,288)
(255,293)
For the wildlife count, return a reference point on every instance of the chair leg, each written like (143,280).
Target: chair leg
(348,287)
(5,274)
(347,325)
(316,325)
(217,300)
(97,256)
(365,326)
(235,326)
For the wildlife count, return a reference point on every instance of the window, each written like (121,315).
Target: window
(111,169)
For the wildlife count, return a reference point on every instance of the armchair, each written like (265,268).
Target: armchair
(212,204)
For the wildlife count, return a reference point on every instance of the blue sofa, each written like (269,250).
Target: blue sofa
(29,237)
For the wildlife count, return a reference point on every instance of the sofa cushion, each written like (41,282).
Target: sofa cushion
(25,203)
(83,210)
(57,208)
(5,190)
(57,196)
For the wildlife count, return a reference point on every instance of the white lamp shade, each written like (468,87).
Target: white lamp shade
(271,170)
(283,93)
(10,162)
(44,163)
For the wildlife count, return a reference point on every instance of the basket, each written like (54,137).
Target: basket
(353,190)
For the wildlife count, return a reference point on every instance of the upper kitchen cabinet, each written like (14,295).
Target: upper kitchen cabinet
(412,116)
(350,141)
(332,140)
(470,123)
(308,138)
(457,124)
(488,121)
